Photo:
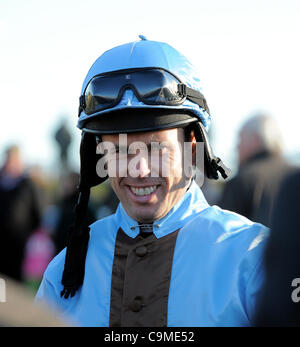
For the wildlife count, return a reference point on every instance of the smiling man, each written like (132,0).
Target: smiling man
(155,180)
(165,258)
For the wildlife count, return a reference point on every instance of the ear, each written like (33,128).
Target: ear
(194,142)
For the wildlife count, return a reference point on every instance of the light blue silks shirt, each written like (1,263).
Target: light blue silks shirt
(217,267)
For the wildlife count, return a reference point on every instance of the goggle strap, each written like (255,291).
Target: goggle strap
(193,95)
(197,97)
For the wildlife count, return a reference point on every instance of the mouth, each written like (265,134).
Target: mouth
(142,191)
(145,194)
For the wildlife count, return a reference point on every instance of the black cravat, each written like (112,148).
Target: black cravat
(145,229)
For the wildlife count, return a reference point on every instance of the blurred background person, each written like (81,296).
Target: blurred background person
(103,202)
(40,248)
(39,251)
(20,212)
(279,302)
(63,139)
(261,168)
(65,209)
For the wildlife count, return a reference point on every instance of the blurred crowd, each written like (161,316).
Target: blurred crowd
(37,209)
(265,189)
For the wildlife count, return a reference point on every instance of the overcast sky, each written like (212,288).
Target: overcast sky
(247,52)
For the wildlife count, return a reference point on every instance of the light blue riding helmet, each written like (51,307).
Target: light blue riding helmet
(145,53)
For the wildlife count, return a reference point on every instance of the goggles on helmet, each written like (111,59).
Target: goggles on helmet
(152,86)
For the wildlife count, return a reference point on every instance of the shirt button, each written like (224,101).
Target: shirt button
(136,304)
(141,251)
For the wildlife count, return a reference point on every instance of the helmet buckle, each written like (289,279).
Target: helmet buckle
(182,89)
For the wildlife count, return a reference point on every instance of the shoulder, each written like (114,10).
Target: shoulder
(266,166)
(223,219)
(227,229)
(51,286)
(108,220)
(53,274)
(291,181)
(242,182)
(99,229)
(103,227)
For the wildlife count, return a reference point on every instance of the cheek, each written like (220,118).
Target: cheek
(168,164)
(114,182)
(176,165)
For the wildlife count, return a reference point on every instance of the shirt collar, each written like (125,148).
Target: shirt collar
(192,202)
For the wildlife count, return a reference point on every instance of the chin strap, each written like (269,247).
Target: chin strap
(77,243)
(78,234)
(212,164)
(218,165)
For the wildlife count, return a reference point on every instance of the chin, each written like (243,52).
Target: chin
(144,217)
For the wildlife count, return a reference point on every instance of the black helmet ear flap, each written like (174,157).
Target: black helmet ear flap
(88,162)
(212,164)
(78,234)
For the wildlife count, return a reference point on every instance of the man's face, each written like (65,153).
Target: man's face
(148,182)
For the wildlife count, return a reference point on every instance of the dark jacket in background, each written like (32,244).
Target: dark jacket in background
(252,191)
(20,214)
(282,259)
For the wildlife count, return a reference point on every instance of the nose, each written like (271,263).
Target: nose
(143,167)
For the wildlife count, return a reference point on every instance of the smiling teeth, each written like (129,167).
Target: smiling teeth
(143,191)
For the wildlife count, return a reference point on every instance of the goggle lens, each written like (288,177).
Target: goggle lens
(153,86)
